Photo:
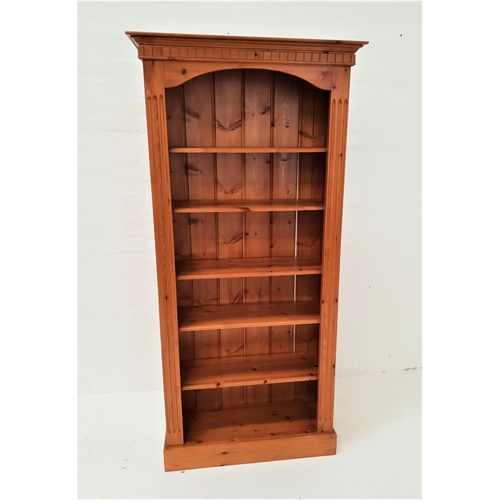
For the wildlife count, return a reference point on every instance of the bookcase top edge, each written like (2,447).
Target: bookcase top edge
(171,39)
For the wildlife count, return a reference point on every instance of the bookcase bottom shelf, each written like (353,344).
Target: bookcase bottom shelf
(249,433)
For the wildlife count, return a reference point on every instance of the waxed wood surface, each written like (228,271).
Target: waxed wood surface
(252,421)
(239,205)
(249,149)
(250,145)
(248,266)
(200,169)
(228,122)
(332,228)
(164,246)
(217,454)
(247,170)
(257,132)
(313,132)
(239,371)
(253,314)
(283,224)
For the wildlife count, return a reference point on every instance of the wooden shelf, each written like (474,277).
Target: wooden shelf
(248,267)
(250,433)
(239,371)
(253,421)
(247,142)
(247,315)
(247,150)
(209,206)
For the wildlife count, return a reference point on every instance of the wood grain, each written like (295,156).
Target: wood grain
(247,140)
(240,371)
(250,433)
(257,132)
(313,132)
(227,42)
(164,243)
(220,206)
(176,133)
(248,150)
(227,123)
(332,227)
(241,315)
(247,267)
(318,74)
(249,422)
(218,454)
(283,224)
(199,115)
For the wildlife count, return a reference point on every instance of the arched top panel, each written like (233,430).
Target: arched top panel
(179,72)
(266,111)
(187,56)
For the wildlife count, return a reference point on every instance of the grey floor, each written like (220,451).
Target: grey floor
(377,419)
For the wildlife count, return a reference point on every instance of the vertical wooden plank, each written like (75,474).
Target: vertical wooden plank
(286,110)
(309,244)
(164,242)
(284,186)
(179,182)
(313,127)
(332,224)
(228,122)
(309,232)
(306,391)
(178,172)
(206,346)
(179,189)
(198,110)
(313,116)
(257,185)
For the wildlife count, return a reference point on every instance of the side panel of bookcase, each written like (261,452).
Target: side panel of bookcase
(164,241)
(332,227)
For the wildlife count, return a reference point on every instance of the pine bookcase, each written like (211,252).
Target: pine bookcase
(247,140)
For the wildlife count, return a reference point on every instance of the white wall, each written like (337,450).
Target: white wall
(380,296)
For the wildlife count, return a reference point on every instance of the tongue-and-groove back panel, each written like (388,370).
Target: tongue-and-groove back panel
(244,108)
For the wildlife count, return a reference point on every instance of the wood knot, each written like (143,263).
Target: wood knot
(183,71)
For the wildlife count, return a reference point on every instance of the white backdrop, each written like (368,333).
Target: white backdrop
(380,290)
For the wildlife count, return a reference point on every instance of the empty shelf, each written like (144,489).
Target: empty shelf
(204,206)
(239,371)
(247,315)
(248,267)
(248,150)
(252,421)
